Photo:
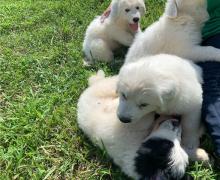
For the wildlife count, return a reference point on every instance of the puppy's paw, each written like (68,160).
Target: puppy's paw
(198,154)
(87,63)
(202,155)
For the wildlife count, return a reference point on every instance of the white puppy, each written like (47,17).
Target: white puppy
(97,117)
(167,85)
(118,29)
(177,32)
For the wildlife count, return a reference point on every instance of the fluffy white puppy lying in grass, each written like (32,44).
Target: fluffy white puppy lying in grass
(102,38)
(178,32)
(165,84)
(138,155)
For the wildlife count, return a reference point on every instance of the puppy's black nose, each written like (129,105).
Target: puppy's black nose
(175,123)
(125,119)
(136,19)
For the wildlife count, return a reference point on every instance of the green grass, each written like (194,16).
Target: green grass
(41,79)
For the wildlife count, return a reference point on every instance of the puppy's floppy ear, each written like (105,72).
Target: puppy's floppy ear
(166,93)
(142,8)
(114,9)
(171,8)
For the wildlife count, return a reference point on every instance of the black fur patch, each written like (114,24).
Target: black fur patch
(153,157)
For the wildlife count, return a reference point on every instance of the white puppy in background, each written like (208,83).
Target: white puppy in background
(165,84)
(128,144)
(178,32)
(102,38)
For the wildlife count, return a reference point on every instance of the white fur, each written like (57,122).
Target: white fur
(165,84)
(102,39)
(178,32)
(97,117)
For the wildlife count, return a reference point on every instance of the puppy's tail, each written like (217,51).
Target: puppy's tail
(100,75)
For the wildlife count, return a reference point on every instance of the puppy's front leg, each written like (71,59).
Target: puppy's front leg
(123,37)
(202,53)
(190,136)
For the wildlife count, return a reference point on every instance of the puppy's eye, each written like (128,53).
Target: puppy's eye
(143,105)
(137,7)
(127,10)
(123,96)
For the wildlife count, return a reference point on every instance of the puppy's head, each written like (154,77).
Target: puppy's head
(197,9)
(129,11)
(143,89)
(161,156)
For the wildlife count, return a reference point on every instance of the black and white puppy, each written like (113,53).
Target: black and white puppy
(160,156)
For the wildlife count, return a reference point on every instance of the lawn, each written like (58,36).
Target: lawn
(41,79)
